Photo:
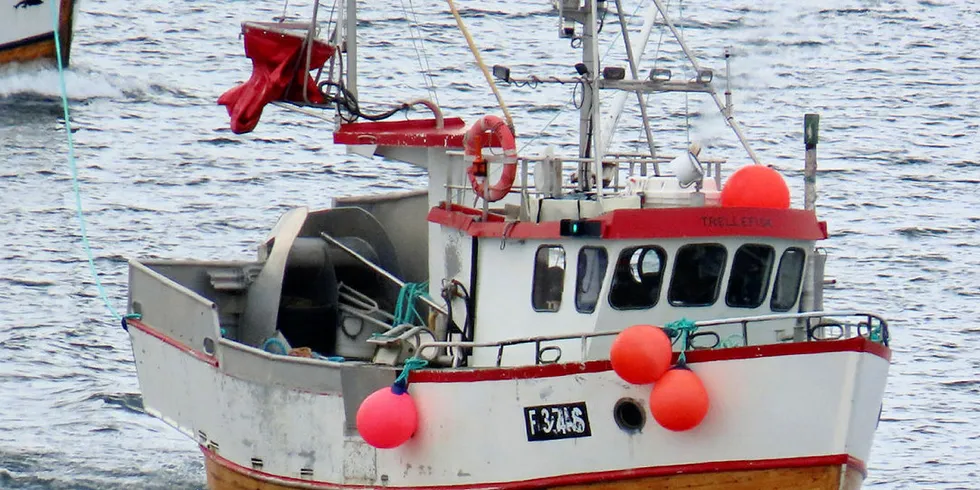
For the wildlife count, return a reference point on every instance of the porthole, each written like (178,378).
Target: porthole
(629,415)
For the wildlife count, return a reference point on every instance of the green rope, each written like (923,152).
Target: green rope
(681,329)
(734,340)
(405,311)
(74,168)
(875,334)
(411,364)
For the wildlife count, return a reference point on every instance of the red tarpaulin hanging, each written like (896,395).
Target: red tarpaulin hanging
(278,73)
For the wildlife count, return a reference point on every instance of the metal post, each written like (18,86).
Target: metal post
(524,214)
(310,37)
(811,129)
(596,120)
(728,83)
(350,43)
(589,96)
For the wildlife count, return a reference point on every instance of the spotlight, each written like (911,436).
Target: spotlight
(659,75)
(614,73)
(501,73)
(705,75)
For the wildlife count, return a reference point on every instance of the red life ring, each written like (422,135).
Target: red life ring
(473,144)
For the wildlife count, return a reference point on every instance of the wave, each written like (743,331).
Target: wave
(40,80)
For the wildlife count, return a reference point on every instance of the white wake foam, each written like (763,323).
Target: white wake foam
(41,79)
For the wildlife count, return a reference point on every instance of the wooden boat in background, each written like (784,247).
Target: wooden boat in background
(27,33)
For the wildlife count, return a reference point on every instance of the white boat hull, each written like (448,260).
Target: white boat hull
(788,409)
(27,30)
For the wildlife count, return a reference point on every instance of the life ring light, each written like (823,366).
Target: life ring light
(473,144)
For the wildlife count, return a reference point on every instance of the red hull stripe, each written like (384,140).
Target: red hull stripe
(576,479)
(857,344)
(622,224)
(175,343)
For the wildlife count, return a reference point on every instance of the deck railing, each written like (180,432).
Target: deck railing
(816,326)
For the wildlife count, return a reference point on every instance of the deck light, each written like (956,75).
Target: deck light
(659,75)
(614,73)
(580,227)
(705,75)
(501,73)
(567,30)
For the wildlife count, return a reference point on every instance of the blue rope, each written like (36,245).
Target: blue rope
(272,341)
(405,307)
(74,169)
(681,329)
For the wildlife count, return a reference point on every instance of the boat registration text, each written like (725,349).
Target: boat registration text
(550,422)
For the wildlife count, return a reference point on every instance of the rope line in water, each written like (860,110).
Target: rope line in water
(74,168)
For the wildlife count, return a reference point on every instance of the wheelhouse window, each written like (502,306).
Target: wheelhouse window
(749,281)
(549,278)
(789,276)
(592,263)
(638,278)
(697,275)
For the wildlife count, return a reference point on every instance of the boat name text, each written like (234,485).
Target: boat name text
(736,222)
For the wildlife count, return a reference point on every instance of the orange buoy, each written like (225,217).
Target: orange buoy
(679,401)
(641,354)
(387,418)
(755,186)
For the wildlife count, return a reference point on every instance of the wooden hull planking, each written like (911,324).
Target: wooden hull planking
(41,47)
(223,476)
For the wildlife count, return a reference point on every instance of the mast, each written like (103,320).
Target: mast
(589,111)
(350,45)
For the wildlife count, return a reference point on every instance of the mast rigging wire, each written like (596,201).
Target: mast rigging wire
(420,53)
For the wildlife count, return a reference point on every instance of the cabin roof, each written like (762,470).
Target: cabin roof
(625,224)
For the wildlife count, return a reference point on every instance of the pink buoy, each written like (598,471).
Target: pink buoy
(387,418)
(641,354)
(679,401)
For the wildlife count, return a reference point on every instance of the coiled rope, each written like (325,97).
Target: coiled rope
(405,311)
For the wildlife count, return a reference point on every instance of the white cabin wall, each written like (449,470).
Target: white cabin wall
(663,313)
(504,309)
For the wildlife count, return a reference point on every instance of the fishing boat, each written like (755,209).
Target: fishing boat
(424,339)
(27,30)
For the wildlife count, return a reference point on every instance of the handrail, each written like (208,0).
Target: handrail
(871,320)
